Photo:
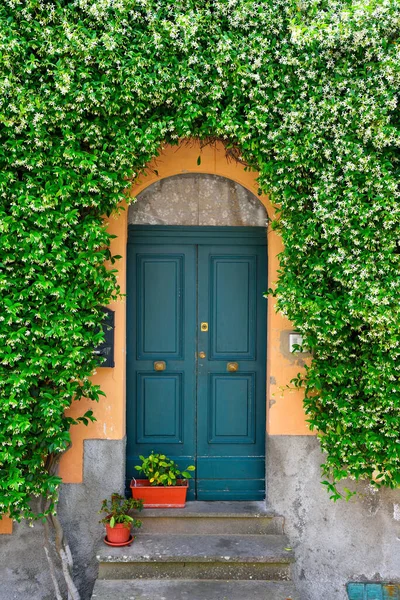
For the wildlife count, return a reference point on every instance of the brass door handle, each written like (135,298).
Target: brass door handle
(159,365)
(202,354)
(232,367)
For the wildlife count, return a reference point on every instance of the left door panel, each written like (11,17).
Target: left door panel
(161,326)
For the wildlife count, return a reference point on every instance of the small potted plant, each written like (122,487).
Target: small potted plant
(165,485)
(117,520)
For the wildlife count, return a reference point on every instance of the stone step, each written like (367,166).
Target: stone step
(159,556)
(213,518)
(182,589)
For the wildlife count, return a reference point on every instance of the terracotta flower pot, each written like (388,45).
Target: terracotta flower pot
(119,534)
(154,496)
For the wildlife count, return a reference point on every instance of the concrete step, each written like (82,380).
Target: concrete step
(213,517)
(180,589)
(159,556)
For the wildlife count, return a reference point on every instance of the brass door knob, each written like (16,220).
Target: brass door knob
(232,367)
(202,354)
(159,365)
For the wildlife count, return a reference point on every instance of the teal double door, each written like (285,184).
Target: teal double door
(196,342)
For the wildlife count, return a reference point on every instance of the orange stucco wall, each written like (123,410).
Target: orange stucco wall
(285,413)
(6,525)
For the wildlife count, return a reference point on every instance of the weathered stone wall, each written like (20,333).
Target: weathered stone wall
(24,573)
(334,543)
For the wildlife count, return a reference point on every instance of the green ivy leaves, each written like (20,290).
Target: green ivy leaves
(89,92)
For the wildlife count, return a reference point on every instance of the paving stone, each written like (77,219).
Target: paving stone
(200,548)
(212,518)
(264,557)
(192,590)
(211,509)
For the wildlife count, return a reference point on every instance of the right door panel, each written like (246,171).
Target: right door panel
(231,376)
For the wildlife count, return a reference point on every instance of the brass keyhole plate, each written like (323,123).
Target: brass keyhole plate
(204,326)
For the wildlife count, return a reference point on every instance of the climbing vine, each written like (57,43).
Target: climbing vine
(308,90)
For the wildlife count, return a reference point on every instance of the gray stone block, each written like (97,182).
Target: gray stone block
(213,518)
(193,590)
(264,557)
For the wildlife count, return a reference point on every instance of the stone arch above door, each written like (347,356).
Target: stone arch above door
(197,199)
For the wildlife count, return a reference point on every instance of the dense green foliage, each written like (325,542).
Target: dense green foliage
(307,90)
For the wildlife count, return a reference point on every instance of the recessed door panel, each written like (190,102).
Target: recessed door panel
(232,306)
(231,411)
(161,321)
(159,416)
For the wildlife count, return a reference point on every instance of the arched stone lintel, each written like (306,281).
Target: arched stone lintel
(177,160)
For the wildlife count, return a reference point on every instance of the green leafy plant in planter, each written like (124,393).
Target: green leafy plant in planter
(161,470)
(118,521)
(165,485)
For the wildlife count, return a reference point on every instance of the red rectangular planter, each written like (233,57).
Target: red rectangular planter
(154,496)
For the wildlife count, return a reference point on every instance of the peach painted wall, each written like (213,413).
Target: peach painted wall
(285,415)
(6,525)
